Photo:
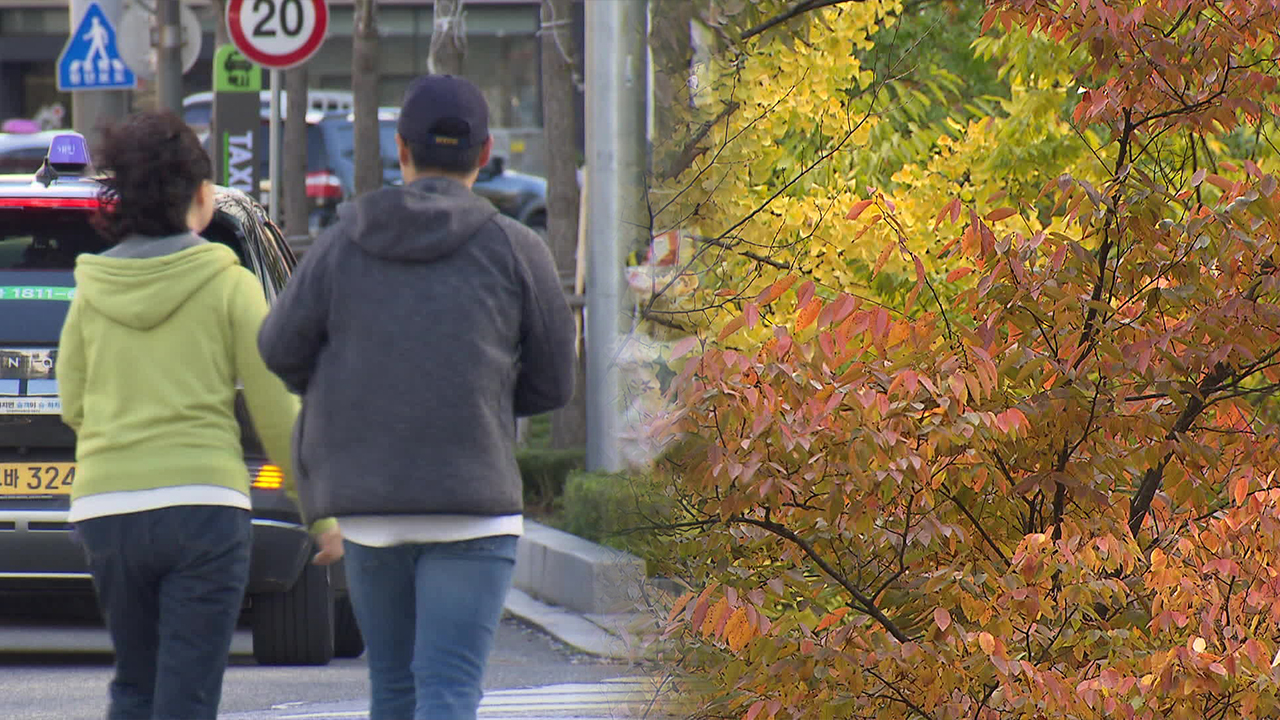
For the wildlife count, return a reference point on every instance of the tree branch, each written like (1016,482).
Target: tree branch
(1140,506)
(868,606)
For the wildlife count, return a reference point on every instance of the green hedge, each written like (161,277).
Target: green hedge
(544,472)
(610,510)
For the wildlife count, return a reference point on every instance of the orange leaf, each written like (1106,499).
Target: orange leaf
(1240,489)
(776,290)
(958,273)
(884,258)
(858,208)
(832,618)
(987,643)
(756,707)
(681,603)
(1000,214)
(733,326)
(808,313)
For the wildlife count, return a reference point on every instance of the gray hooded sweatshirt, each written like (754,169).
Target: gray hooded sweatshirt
(417,329)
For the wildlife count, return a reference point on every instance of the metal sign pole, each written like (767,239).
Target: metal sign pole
(273,143)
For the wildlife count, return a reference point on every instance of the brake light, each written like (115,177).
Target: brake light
(324,186)
(269,477)
(51,203)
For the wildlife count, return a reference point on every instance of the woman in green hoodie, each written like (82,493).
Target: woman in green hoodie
(162,327)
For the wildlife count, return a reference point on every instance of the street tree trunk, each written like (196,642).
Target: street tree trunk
(560,75)
(364,80)
(448,38)
(294,165)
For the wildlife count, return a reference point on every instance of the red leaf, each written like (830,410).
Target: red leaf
(805,294)
(683,346)
(1000,214)
(942,618)
(858,208)
(958,273)
(756,707)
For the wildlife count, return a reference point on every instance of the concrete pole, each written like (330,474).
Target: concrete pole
(169,56)
(273,148)
(92,109)
(616,74)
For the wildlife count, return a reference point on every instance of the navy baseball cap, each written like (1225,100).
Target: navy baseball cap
(444,111)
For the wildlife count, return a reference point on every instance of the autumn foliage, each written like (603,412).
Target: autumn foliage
(1037,476)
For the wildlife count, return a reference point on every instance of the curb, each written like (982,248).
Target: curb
(579,592)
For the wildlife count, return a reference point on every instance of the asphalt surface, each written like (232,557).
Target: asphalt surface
(55,663)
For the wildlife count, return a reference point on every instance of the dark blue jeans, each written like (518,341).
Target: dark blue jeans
(429,613)
(170,583)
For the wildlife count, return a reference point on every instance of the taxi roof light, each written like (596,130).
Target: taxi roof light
(69,152)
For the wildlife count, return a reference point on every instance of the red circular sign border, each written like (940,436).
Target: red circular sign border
(278,62)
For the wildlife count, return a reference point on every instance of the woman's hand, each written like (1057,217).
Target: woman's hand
(330,542)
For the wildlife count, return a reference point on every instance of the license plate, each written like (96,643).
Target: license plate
(36,480)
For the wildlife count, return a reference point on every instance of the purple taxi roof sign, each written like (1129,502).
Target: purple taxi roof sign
(69,150)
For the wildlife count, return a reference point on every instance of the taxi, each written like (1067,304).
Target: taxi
(298,611)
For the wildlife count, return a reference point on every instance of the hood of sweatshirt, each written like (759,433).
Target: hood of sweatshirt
(142,293)
(426,220)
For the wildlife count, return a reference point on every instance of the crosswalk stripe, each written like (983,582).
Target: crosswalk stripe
(609,700)
(614,699)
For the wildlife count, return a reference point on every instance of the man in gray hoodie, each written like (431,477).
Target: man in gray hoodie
(417,330)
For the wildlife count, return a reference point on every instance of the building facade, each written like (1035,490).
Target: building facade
(503,57)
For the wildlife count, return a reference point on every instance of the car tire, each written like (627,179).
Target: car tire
(296,627)
(347,640)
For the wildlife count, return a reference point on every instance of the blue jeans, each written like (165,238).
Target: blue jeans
(429,613)
(170,583)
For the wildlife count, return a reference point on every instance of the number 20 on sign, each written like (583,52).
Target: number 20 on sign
(278,34)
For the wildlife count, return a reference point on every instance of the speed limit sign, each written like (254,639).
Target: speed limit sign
(278,34)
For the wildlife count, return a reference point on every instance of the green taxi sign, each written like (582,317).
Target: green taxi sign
(234,73)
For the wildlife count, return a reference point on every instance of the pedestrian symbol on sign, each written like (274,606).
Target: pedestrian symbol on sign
(91,60)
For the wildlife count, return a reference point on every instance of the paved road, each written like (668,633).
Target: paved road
(56,667)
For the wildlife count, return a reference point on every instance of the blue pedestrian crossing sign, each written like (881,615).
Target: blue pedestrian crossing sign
(91,60)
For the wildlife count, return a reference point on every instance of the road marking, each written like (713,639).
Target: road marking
(627,697)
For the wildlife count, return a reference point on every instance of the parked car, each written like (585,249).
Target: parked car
(197,109)
(24,153)
(299,612)
(330,175)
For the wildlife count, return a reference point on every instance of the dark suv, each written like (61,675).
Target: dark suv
(298,611)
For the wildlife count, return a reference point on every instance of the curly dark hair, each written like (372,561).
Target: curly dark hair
(154,165)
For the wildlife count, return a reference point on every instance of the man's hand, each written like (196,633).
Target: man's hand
(330,543)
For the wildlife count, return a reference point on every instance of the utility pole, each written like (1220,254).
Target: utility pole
(169,56)
(616,80)
(92,109)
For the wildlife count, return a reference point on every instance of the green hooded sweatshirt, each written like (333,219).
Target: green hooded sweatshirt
(147,368)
